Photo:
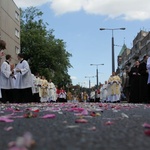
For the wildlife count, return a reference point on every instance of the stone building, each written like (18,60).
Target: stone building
(10,29)
(141,47)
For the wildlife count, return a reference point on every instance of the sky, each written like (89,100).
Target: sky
(77,22)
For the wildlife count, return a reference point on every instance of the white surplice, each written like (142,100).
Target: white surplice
(23,78)
(104,92)
(6,81)
(51,92)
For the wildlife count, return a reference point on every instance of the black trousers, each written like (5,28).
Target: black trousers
(92,100)
(6,95)
(36,98)
(97,100)
(61,100)
(22,95)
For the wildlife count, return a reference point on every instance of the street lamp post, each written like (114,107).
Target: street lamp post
(96,72)
(113,53)
(89,80)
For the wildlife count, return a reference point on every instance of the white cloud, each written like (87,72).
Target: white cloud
(28,3)
(64,6)
(126,9)
(73,78)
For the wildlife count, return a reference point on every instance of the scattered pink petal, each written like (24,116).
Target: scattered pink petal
(84,112)
(9,109)
(17,111)
(28,109)
(117,107)
(8,128)
(146,125)
(109,123)
(35,110)
(81,121)
(2,119)
(30,115)
(28,139)
(92,128)
(147,132)
(17,117)
(24,142)
(76,109)
(93,114)
(49,116)
(11,144)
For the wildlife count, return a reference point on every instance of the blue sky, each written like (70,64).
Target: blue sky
(77,22)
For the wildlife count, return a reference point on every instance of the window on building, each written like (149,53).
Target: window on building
(17,50)
(17,33)
(17,15)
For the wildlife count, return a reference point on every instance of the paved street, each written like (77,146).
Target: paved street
(75,126)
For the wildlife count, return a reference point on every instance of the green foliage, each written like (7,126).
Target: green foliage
(46,54)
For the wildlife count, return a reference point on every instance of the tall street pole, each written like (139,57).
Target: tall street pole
(89,80)
(97,76)
(96,72)
(113,53)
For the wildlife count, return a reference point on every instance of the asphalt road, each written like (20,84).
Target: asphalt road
(79,126)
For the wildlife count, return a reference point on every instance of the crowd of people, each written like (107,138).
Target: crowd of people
(19,85)
(134,86)
(109,92)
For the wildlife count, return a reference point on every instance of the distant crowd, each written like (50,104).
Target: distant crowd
(133,86)
(19,85)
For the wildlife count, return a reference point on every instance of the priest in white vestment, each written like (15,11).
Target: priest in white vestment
(43,91)
(114,88)
(23,82)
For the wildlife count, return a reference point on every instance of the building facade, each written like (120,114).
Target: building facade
(10,28)
(140,48)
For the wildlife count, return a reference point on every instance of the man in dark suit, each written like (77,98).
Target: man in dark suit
(143,80)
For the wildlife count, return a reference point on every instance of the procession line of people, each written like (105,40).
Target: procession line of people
(19,85)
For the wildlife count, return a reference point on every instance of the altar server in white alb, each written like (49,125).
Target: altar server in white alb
(6,83)
(23,83)
(35,88)
(104,92)
(51,91)
(43,91)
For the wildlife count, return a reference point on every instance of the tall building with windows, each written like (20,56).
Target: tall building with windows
(10,28)
(140,48)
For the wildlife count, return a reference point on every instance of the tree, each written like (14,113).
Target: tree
(46,54)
